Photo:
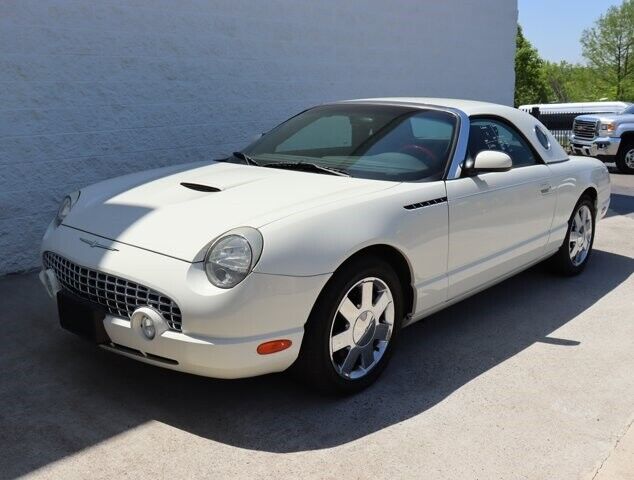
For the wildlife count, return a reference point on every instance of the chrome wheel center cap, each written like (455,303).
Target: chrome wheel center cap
(363,330)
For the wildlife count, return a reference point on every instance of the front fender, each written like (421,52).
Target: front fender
(318,241)
(623,128)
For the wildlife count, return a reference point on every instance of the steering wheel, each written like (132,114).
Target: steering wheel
(415,151)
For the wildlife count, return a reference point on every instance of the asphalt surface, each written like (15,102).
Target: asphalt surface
(533,378)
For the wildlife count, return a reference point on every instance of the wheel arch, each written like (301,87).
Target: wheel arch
(591,192)
(398,260)
(627,138)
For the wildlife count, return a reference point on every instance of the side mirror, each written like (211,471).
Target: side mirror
(488,161)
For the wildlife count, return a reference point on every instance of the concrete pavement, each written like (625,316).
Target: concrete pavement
(533,378)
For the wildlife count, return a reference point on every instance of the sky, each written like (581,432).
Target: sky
(554,26)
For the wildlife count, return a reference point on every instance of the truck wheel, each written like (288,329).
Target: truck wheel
(625,158)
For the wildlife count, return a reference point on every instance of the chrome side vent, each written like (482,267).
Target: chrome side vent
(199,187)
(428,203)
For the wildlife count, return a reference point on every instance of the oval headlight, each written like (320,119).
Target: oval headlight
(63,210)
(66,206)
(232,257)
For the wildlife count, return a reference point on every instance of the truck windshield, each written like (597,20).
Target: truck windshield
(628,111)
(380,142)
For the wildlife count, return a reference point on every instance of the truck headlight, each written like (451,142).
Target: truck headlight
(232,256)
(608,127)
(65,207)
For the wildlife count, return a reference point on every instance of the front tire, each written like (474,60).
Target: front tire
(625,158)
(350,334)
(574,253)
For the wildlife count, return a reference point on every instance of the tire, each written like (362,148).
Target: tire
(360,352)
(567,261)
(625,158)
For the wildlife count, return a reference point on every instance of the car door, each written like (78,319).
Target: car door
(498,221)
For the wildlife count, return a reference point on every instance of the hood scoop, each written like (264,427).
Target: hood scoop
(199,187)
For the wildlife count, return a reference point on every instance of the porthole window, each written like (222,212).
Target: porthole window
(542,137)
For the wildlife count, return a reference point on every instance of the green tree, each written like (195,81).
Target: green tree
(608,47)
(530,79)
(575,83)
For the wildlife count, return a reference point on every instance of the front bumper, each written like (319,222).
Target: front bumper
(221,329)
(599,147)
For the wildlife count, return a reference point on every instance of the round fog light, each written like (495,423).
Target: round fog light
(147,325)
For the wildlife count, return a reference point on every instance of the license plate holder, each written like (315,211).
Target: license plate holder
(82,318)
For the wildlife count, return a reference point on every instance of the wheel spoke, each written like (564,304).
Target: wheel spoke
(381,331)
(366,295)
(349,311)
(381,304)
(578,221)
(350,361)
(367,355)
(342,340)
(574,236)
(584,216)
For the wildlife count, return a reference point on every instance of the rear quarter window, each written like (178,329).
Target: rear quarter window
(542,137)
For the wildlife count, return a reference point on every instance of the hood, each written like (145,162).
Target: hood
(154,211)
(606,117)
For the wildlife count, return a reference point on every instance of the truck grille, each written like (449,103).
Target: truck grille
(120,297)
(585,129)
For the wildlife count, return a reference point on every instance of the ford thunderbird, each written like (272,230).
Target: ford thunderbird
(313,247)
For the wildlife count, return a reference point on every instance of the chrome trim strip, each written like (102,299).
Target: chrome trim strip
(460,151)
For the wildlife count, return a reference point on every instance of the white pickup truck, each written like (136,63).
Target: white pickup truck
(609,137)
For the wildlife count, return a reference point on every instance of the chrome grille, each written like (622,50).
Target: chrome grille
(585,129)
(120,297)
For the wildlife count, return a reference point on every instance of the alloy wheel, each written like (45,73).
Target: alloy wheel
(580,235)
(629,159)
(362,328)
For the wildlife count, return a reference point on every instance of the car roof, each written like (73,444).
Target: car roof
(525,122)
(470,107)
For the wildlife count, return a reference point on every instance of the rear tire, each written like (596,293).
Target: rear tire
(625,158)
(349,336)
(574,253)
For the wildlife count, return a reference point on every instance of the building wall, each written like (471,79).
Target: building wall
(95,89)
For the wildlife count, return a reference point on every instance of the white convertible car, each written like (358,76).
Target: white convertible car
(314,246)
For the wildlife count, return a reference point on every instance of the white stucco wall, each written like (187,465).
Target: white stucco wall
(94,89)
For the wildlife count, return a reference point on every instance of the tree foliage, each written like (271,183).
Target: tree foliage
(530,79)
(569,82)
(608,47)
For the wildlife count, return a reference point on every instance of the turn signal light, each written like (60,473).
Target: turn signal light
(273,346)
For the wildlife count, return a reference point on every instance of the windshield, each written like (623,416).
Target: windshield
(367,141)
(628,111)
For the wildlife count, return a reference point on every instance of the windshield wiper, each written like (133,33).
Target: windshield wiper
(245,158)
(308,167)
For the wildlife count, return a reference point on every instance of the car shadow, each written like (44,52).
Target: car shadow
(61,395)
(620,205)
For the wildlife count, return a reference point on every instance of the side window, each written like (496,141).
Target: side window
(326,132)
(491,134)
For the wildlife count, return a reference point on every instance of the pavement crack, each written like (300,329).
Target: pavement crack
(613,449)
